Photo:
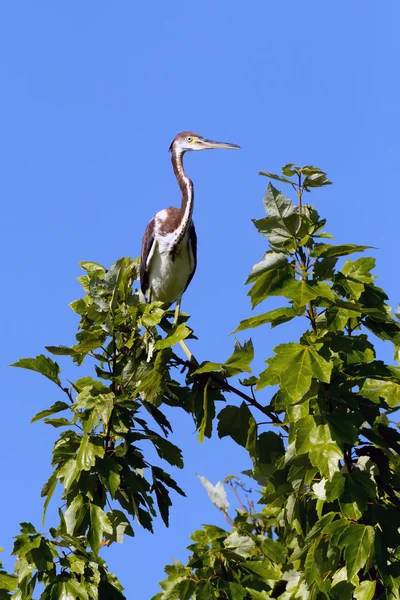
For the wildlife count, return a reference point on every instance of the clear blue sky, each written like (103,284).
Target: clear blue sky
(92,94)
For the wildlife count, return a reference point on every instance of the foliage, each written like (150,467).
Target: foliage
(328,466)
(107,482)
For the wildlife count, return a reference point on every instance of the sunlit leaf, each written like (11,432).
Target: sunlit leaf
(41,364)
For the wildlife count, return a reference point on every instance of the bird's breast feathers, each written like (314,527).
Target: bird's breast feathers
(169,267)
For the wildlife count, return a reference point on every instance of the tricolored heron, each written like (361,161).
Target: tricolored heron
(169,246)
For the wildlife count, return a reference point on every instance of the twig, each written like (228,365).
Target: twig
(224,385)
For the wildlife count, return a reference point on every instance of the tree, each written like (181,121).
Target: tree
(328,466)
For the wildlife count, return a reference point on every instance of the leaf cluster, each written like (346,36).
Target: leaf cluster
(107,483)
(329,467)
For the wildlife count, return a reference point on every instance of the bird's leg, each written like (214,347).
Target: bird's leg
(148,337)
(190,356)
(177,311)
(184,347)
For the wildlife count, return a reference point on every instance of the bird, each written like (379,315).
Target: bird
(169,246)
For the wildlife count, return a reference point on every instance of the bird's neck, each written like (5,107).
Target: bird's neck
(186,186)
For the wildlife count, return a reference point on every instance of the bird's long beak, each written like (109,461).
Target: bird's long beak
(210,144)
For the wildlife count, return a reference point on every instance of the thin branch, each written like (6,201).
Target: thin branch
(68,392)
(264,409)
(224,385)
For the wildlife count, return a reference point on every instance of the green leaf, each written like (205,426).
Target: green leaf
(208,367)
(66,590)
(68,473)
(109,474)
(360,269)
(75,514)
(288,170)
(316,179)
(344,427)
(152,314)
(281,235)
(234,421)
(358,542)
(310,170)
(240,544)
(152,384)
(325,268)
(273,550)
(313,534)
(271,261)
(329,250)
(204,591)
(294,366)
(355,275)
(120,525)
(274,176)
(78,306)
(41,364)
(93,269)
(256,595)
(89,341)
(8,582)
(163,500)
(48,491)
(335,487)
(24,544)
(263,568)
(237,363)
(375,389)
(186,589)
(316,440)
(167,479)
(241,358)
(365,591)
(302,292)
(61,350)
(237,591)
(277,205)
(168,451)
(87,453)
(275,317)
(270,283)
(177,335)
(55,408)
(76,589)
(60,422)
(358,490)
(99,526)
(205,428)
(128,374)
(251,443)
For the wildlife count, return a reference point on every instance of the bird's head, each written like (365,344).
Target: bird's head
(187,140)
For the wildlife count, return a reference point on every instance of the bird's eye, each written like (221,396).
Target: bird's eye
(189,139)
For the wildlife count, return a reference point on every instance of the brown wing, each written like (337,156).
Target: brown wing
(147,246)
(192,238)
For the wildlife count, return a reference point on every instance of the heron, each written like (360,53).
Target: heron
(169,247)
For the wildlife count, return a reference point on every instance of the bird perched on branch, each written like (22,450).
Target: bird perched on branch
(169,246)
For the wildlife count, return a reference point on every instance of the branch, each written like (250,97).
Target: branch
(224,385)
(68,392)
(264,409)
